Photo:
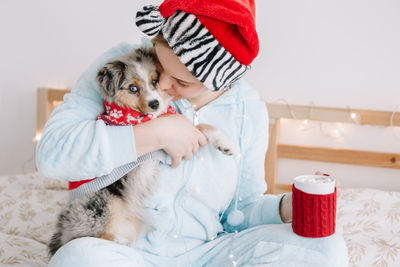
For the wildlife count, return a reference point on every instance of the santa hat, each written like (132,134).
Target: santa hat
(215,39)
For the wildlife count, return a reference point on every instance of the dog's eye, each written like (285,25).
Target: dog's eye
(133,88)
(154,82)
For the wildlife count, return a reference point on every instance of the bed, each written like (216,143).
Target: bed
(369,219)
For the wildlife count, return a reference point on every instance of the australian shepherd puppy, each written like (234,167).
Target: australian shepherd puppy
(116,212)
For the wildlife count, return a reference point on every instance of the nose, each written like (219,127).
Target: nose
(164,81)
(154,104)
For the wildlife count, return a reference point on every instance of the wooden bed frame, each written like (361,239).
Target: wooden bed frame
(48,99)
(277,150)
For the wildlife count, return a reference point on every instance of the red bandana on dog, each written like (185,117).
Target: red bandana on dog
(117,115)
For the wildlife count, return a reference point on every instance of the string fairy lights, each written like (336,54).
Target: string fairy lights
(336,130)
(306,124)
(354,116)
(35,140)
(37,137)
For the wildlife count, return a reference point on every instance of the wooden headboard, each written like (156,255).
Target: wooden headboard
(48,99)
(278,150)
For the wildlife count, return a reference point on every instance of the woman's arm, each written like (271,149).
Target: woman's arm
(75,145)
(257,208)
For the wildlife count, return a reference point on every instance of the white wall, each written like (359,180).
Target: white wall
(48,43)
(334,53)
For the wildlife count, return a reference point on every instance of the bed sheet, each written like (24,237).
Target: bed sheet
(368,219)
(29,205)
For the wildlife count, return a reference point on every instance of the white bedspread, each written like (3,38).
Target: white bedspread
(370,223)
(29,205)
(369,220)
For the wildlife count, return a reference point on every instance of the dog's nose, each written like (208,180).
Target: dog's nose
(154,104)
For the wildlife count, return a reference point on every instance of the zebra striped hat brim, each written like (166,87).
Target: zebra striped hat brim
(195,46)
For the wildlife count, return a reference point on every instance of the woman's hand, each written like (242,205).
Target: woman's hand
(173,133)
(180,139)
(285,208)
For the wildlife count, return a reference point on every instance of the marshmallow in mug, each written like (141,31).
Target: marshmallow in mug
(315,184)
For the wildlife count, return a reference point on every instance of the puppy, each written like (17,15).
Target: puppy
(116,212)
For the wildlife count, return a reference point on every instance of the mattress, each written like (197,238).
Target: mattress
(368,219)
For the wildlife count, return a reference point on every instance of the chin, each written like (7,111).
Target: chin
(176,98)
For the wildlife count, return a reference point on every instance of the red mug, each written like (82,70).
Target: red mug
(314,205)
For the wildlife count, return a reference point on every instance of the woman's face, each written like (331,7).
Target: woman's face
(175,78)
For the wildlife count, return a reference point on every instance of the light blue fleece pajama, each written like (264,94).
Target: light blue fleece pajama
(186,215)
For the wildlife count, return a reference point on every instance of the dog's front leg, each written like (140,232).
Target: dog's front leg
(217,139)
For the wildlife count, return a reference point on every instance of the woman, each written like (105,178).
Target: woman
(208,209)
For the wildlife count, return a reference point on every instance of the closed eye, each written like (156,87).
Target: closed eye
(182,83)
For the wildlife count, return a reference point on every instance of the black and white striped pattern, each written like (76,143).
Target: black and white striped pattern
(195,46)
(149,20)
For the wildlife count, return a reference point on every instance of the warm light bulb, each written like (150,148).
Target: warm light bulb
(305,125)
(37,137)
(336,133)
(355,117)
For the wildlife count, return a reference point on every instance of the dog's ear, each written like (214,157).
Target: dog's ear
(110,77)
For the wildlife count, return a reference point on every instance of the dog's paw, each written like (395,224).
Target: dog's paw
(222,143)
(217,139)
(226,151)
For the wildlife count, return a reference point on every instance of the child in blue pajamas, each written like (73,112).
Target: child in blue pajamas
(208,209)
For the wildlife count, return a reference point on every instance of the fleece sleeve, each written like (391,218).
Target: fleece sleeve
(257,208)
(74,144)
